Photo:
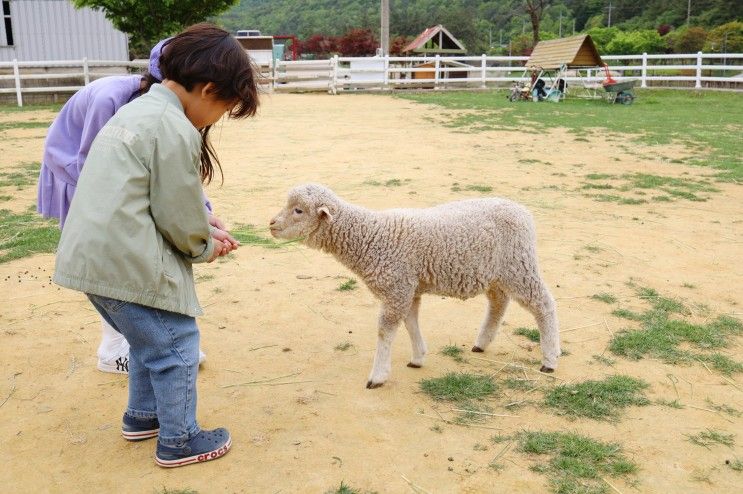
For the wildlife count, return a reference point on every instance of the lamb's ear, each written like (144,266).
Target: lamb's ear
(324,213)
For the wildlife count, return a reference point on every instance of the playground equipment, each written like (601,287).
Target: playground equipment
(551,60)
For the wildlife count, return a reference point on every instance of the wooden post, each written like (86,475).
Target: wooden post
(698,84)
(436,75)
(86,71)
(17,74)
(483,69)
(644,70)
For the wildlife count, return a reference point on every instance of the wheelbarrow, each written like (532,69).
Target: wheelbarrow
(620,92)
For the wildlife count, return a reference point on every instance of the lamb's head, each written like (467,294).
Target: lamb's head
(308,208)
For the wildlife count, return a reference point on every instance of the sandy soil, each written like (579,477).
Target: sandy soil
(277,316)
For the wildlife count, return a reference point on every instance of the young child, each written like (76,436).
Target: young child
(65,149)
(137,223)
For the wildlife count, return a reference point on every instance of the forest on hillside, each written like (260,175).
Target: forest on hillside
(503,26)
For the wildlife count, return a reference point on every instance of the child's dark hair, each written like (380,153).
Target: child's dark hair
(206,53)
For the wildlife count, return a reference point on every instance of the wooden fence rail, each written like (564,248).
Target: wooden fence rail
(338,74)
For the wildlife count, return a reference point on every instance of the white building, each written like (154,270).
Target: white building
(42,30)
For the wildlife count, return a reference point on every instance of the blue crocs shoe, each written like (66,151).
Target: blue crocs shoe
(204,446)
(136,429)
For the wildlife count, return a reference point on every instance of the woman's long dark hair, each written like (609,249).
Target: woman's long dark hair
(206,53)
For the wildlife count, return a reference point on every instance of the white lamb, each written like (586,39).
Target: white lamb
(459,249)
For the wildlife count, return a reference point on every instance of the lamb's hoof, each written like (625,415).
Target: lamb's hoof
(371,385)
(546,370)
(477,349)
(414,366)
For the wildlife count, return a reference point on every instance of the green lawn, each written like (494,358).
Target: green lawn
(708,122)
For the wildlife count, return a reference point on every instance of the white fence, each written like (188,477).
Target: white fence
(391,73)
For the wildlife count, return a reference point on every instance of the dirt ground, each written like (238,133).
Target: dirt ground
(300,416)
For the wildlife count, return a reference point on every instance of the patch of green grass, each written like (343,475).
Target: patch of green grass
(393,182)
(711,437)
(599,400)
(249,235)
(627,314)
(721,363)
(454,352)
(735,464)
(346,489)
(576,463)
(23,125)
(600,176)
(604,360)
(26,234)
(436,428)
(531,334)
(604,297)
(597,186)
(29,108)
(5,198)
(518,384)
(670,404)
(459,387)
(342,347)
(204,277)
(615,198)
(707,123)
(733,412)
(24,175)
(457,187)
(348,285)
(661,336)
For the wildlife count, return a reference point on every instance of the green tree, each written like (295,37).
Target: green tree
(727,38)
(687,40)
(147,21)
(636,42)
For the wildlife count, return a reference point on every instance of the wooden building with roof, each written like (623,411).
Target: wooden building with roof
(575,52)
(436,40)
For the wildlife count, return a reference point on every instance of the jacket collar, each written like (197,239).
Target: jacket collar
(163,92)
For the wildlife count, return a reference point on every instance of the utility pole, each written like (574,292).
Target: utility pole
(610,7)
(688,12)
(384,33)
(560,35)
(573,26)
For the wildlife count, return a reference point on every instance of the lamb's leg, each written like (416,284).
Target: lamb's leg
(497,303)
(416,339)
(389,320)
(537,299)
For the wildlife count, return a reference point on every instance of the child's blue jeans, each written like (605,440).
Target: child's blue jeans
(163,364)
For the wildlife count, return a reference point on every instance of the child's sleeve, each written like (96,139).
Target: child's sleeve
(176,195)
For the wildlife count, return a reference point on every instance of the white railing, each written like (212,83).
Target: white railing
(80,71)
(339,74)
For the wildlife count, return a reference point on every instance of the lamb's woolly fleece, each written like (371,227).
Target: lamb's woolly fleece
(460,249)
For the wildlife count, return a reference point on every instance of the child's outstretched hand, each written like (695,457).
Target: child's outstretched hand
(227,239)
(219,248)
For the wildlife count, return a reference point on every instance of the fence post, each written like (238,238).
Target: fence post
(17,74)
(436,75)
(386,71)
(86,71)
(698,84)
(334,83)
(483,71)
(644,70)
